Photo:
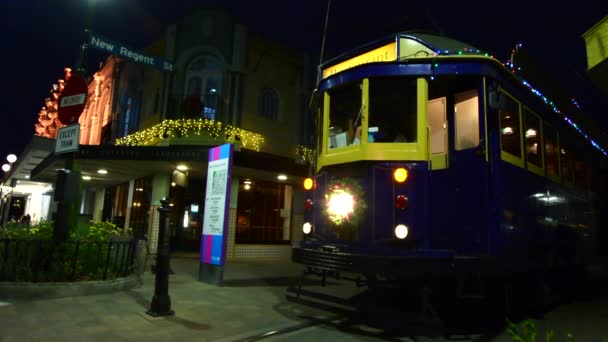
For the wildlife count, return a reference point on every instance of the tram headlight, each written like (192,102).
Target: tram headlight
(340,204)
(307,228)
(401,231)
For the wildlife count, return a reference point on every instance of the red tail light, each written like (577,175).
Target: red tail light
(401,202)
(308,204)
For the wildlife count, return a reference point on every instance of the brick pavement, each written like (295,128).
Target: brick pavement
(252,301)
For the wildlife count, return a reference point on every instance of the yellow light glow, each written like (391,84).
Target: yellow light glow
(102,171)
(400,175)
(182,167)
(308,183)
(169,129)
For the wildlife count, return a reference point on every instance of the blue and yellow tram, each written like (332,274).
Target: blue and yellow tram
(433,159)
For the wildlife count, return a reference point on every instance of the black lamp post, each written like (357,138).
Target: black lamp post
(161,302)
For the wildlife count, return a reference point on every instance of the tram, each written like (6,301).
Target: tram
(434,160)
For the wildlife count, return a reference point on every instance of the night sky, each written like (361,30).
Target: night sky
(41,37)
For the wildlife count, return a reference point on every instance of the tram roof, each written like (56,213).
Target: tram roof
(440,45)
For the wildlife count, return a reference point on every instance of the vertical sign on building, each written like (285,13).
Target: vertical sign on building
(215,216)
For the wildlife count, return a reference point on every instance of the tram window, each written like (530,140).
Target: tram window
(567,164)
(532,138)
(437,122)
(392,109)
(551,151)
(466,117)
(345,115)
(510,141)
(581,176)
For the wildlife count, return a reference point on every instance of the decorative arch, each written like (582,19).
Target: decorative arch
(268,103)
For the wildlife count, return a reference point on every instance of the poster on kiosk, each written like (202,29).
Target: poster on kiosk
(215,217)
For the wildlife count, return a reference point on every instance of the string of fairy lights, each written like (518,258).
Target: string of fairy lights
(515,69)
(184,128)
(551,104)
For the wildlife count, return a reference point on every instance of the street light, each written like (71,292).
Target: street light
(11,158)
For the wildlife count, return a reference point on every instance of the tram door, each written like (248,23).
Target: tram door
(468,173)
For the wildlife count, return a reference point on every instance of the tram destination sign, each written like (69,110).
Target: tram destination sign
(68,138)
(118,49)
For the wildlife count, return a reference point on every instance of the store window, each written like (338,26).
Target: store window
(264,212)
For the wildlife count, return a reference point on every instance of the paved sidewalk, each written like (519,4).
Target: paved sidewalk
(252,301)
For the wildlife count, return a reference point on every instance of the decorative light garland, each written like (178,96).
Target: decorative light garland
(534,91)
(305,153)
(169,129)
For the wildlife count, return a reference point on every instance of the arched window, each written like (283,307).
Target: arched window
(268,104)
(203,87)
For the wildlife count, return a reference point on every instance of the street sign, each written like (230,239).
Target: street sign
(118,49)
(72,99)
(68,138)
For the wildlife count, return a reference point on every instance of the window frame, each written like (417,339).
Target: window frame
(504,155)
(557,177)
(539,170)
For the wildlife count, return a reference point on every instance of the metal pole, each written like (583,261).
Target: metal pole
(8,207)
(161,302)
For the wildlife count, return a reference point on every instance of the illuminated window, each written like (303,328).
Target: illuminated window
(510,135)
(268,104)
(466,117)
(532,137)
(264,213)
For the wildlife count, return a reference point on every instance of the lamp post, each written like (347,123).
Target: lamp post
(161,302)
(11,158)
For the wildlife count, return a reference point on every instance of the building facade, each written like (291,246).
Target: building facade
(150,130)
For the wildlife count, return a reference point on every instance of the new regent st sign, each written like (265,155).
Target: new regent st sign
(122,50)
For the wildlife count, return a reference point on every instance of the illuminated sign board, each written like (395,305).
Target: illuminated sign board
(386,53)
(217,198)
